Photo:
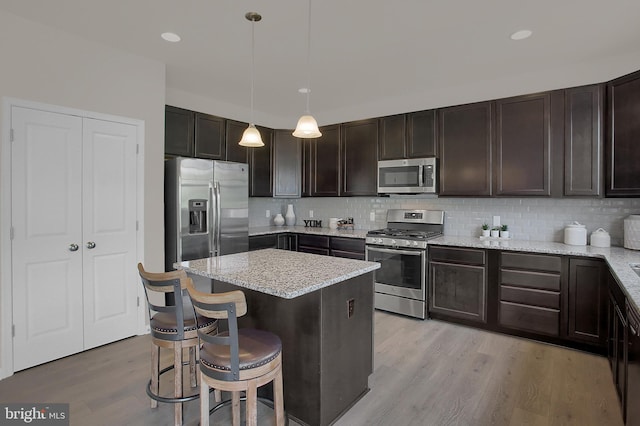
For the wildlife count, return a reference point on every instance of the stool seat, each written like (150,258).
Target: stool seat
(164,322)
(256,348)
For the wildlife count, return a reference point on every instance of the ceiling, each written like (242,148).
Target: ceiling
(368,57)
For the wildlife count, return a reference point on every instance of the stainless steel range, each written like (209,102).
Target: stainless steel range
(401,250)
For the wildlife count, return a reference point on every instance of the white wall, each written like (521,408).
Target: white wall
(45,65)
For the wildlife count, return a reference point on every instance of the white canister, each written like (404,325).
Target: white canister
(600,238)
(575,234)
(333,222)
(632,232)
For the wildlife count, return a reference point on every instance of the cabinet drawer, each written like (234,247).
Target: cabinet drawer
(348,244)
(456,255)
(525,296)
(535,280)
(348,254)
(535,262)
(314,250)
(530,318)
(313,240)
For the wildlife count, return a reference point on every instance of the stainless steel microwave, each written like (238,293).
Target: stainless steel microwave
(409,176)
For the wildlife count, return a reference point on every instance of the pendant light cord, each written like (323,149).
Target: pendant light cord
(309,58)
(253,25)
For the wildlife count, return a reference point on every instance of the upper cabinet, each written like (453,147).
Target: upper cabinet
(465,137)
(583,140)
(523,145)
(287,154)
(623,136)
(322,164)
(359,153)
(193,134)
(235,152)
(178,131)
(261,166)
(408,136)
(209,136)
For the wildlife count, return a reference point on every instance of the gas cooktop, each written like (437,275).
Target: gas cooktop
(404,233)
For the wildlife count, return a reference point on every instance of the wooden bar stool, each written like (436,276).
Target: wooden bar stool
(237,360)
(173,327)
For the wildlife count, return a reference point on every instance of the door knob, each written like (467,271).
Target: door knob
(91,245)
(73,247)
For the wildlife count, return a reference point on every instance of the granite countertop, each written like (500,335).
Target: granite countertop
(281,273)
(349,233)
(617,258)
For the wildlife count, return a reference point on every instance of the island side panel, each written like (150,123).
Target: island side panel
(347,345)
(297,322)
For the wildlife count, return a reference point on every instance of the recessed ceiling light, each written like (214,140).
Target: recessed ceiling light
(304,90)
(172,37)
(521,35)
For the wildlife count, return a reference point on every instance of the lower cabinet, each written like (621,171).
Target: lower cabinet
(530,293)
(352,248)
(458,283)
(633,367)
(314,244)
(588,299)
(285,241)
(616,346)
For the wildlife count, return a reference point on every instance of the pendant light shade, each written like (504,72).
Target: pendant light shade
(307,126)
(251,136)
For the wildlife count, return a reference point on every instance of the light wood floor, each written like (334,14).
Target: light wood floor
(426,373)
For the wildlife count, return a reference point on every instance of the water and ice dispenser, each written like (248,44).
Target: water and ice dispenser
(197,216)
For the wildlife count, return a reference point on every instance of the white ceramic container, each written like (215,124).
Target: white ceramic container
(575,234)
(600,238)
(278,220)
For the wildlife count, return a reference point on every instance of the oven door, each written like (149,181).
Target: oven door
(402,271)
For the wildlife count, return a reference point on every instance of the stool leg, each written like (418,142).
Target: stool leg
(252,403)
(192,366)
(155,371)
(235,408)
(278,397)
(177,367)
(217,395)
(204,402)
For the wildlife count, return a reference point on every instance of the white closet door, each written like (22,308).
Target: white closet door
(46,185)
(109,203)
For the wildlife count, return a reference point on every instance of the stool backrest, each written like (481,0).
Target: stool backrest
(221,306)
(174,282)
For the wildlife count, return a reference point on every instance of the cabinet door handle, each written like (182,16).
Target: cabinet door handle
(73,247)
(91,245)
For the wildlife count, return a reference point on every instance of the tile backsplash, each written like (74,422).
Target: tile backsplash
(535,219)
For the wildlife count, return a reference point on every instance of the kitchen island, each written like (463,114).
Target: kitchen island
(322,309)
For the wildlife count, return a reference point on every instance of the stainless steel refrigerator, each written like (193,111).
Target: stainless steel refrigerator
(206,209)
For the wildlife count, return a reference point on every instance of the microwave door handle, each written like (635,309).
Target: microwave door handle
(420,176)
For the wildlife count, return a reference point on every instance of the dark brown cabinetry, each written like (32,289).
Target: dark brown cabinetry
(287,170)
(633,367)
(465,138)
(588,298)
(209,136)
(352,248)
(260,166)
(622,136)
(617,340)
(321,174)
(178,131)
(523,145)
(410,135)
(530,293)
(583,140)
(315,244)
(235,152)
(359,154)
(283,241)
(458,283)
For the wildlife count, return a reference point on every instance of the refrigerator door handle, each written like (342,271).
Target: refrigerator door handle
(218,223)
(212,226)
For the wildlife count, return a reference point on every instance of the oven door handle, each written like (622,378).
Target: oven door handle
(420,176)
(396,251)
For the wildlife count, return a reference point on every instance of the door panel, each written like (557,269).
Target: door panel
(109,203)
(46,213)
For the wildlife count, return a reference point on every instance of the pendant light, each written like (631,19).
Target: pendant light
(251,137)
(307,126)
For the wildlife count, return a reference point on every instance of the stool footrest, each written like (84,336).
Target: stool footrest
(166,399)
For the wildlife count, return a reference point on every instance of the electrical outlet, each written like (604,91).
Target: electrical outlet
(372,216)
(350,307)
(496,221)
(310,213)
(268,213)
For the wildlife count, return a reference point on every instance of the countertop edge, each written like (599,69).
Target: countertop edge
(269,230)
